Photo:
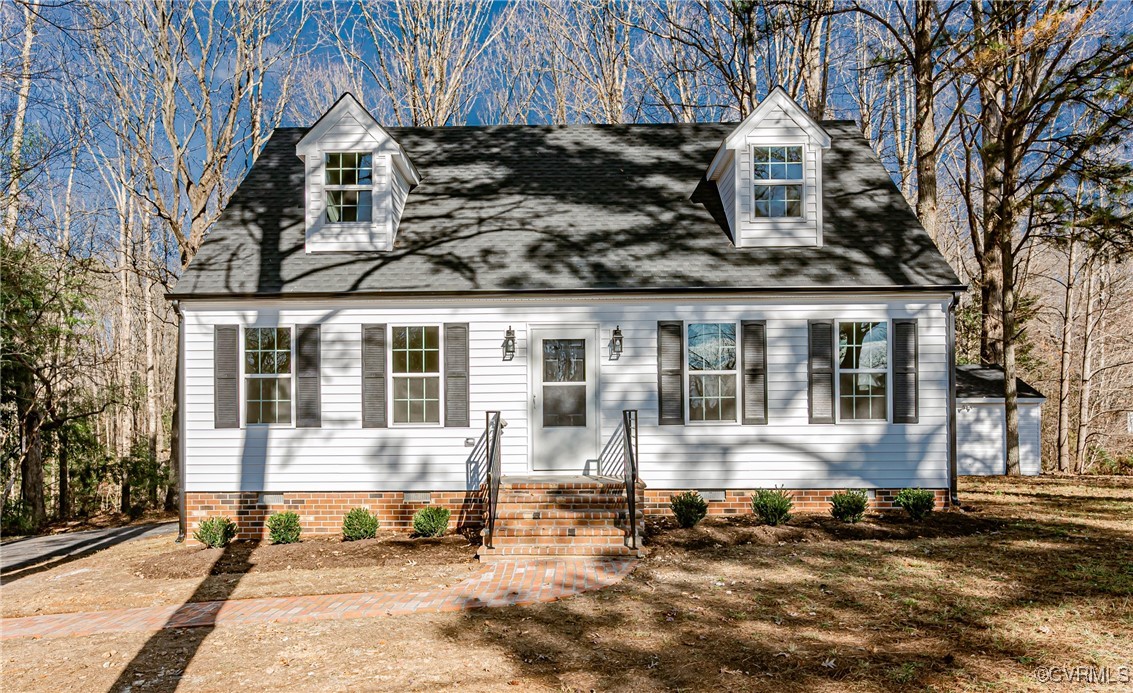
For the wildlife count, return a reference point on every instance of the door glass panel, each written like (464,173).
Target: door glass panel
(564,360)
(564,405)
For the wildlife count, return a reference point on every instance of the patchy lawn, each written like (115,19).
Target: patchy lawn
(150,572)
(1035,572)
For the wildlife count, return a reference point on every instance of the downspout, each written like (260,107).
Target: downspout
(182,524)
(951,360)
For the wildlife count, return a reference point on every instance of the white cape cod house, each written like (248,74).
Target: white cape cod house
(733,306)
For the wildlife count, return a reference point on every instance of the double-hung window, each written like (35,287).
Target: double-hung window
(711,371)
(267,375)
(778,182)
(349,186)
(416,375)
(863,371)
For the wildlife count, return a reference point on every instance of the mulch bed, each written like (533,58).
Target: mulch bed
(731,530)
(242,557)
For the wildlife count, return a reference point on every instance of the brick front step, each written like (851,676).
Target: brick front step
(564,551)
(574,516)
(507,513)
(603,499)
(539,530)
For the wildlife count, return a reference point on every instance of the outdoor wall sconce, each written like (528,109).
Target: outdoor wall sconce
(616,342)
(509,344)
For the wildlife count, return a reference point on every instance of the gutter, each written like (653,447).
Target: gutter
(597,291)
(182,523)
(953,490)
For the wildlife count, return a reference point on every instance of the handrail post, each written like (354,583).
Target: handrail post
(492,428)
(629,447)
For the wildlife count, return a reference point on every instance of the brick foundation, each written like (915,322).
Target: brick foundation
(321,513)
(738,501)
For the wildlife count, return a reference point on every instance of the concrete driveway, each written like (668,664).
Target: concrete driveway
(24,556)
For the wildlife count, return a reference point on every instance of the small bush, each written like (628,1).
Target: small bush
(359,523)
(918,502)
(215,532)
(772,506)
(16,519)
(689,508)
(431,521)
(283,528)
(849,506)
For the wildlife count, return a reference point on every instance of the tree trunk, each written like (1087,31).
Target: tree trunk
(1010,389)
(1087,372)
(172,495)
(924,94)
(15,160)
(64,474)
(31,468)
(1064,365)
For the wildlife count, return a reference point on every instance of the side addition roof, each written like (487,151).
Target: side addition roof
(591,208)
(986,382)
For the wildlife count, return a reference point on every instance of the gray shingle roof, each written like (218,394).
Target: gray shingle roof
(979,382)
(589,207)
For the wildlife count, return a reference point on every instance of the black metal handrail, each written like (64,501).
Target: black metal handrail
(493,426)
(629,445)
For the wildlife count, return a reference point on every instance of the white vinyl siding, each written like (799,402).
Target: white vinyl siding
(347,133)
(981,438)
(788,451)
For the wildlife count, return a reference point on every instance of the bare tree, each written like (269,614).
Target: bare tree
(1032,66)
(420,54)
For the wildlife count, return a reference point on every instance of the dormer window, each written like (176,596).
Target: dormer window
(349,187)
(778,182)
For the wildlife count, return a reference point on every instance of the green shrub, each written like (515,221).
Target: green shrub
(431,521)
(283,528)
(772,506)
(215,532)
(849,506)
(359,523)
(918,502)
(689,508)
(16,519)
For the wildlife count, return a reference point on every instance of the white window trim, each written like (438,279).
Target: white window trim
(245,375)
(752,216)
(888,373)
(440,374)
(686,372)
(327,188)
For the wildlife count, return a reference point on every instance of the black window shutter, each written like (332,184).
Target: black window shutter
(307,389)
(670,380)
(820,371)
(456,375)
(226,376)
(374,376)
(754,365)
(905,399)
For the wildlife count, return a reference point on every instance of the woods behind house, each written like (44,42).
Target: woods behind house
(126,127)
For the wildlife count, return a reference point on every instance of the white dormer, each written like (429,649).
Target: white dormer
(357,180)
(769,174)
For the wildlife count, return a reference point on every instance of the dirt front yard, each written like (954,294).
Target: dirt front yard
(153,572)
(1033,574)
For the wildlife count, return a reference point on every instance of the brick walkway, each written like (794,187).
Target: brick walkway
(503,583)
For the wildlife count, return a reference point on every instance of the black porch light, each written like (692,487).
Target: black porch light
(616,341)
(509,343)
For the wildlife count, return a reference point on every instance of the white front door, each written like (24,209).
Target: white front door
(564,397)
